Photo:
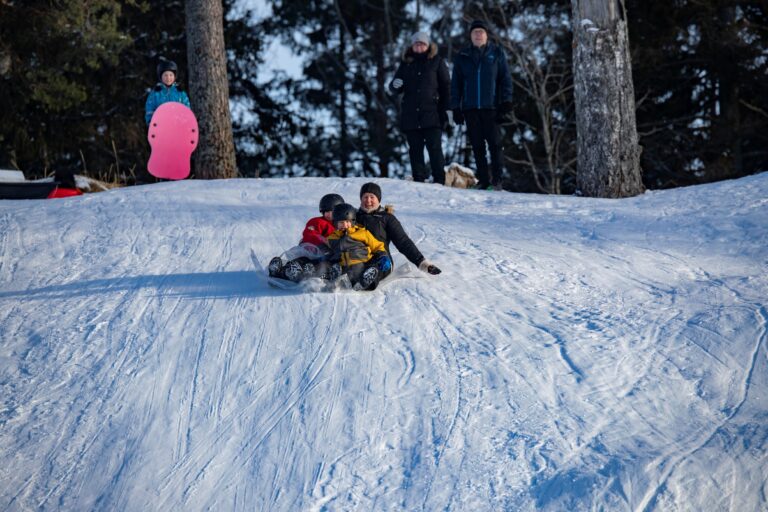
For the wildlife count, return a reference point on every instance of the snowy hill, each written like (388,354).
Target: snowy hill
(575,354)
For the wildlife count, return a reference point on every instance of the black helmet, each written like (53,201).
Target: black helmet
(166,65)
(328,201)
(344,211)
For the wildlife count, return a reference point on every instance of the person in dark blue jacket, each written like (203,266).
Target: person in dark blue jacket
(481,96)
(166,89)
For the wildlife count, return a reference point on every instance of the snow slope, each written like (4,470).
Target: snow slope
(575,354)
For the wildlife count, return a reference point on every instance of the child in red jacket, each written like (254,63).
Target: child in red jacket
(299,262)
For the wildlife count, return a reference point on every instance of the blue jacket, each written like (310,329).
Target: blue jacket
(481,78)
(163,94)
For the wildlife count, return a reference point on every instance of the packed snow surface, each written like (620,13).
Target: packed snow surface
(575,354)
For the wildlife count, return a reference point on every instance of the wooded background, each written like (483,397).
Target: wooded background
(74,76)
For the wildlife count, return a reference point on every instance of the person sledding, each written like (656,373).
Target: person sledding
(303,260)
(383,224)
(358,254)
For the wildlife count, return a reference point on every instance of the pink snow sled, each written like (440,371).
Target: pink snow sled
(173,137)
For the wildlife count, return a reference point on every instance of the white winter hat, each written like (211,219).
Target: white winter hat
(420,37)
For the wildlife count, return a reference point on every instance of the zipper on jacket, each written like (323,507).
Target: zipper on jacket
(478,82)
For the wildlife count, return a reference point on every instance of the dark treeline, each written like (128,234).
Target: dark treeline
(74,76)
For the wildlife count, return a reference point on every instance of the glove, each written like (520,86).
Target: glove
(503,113)
(445,122)
(458,117)
(397,83)
(384,263)
(428,267)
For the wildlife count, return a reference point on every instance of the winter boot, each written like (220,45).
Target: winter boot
(275,266)
(370,278)
(293,271)
(309,269)
(334,272)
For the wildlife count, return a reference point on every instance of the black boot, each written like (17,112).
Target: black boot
(293,271)
(275,266)
(370,278)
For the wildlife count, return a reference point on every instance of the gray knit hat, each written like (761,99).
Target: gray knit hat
(420,37)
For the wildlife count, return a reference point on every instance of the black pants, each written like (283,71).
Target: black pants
(432,139)
(482,129)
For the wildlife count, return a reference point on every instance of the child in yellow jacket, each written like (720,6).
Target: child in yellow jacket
(356,250)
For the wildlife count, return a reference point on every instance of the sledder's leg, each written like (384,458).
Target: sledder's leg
(275,267)
(370,278)
(364,277)
(298,269)
(309,270)
(324,270)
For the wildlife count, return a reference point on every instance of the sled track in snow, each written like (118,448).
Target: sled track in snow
(574,354)
(190,468)
(649,502)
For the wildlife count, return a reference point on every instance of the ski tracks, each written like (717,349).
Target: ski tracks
(254,426)
(659,494)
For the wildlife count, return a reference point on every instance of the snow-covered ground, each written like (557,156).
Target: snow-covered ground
(575,354)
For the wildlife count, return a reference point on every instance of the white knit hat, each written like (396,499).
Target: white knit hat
(420,37)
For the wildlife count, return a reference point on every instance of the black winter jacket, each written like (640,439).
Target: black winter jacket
(426,89)
(384,225)
(481,78)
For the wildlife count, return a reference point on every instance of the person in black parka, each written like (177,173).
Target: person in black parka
(481,95)
(382,223)
(423,80)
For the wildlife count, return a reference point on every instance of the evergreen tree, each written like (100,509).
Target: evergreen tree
(74,77)
(52,96)
(700,72)
(351,49)
(264,129)
(72,95)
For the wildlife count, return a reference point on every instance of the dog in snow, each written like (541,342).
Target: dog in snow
(458,176)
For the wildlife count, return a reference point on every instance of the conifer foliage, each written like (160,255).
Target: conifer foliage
(53,86)
(74,77)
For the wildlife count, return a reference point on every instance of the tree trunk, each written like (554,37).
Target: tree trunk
(380,129)
(209,89)
(343,128)
(727,158)
(608,149)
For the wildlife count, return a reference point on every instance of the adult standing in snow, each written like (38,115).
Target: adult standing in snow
(383,224)
(423,80)
(166,89)
(481,95)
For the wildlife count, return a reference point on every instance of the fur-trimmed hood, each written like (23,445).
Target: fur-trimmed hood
(408,54)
